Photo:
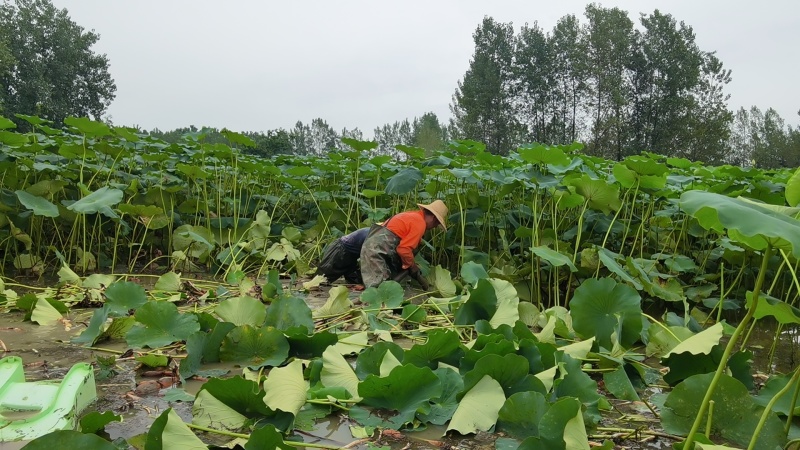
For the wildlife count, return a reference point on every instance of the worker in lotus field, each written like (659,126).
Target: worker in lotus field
(388,250)
(340,257)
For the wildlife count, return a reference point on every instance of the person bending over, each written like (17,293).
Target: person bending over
(389,248)
(340,257)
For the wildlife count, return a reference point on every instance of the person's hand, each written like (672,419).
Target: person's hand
(414,271)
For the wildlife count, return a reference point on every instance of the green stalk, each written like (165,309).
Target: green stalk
(791,409)
(768,410)
(688,445)
(247,436)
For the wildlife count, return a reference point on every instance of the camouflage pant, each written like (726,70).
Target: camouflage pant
(336,261)
(379,258)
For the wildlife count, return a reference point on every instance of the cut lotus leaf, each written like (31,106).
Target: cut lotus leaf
(195,241)
(578,350)
(388,294)
(510,371)
(95,327)
(783,312)
(303,345)
(44,313)
(39,205)
(442,346)
(153,360)
(562,426)
(553,257)
(574,382)
(160,324)
(479,408)
(243,310)
(481,304)
(443,406)
(169,432)
(619,385)
(700,343)
(663,338)
(521,413)
(94,421)
(507,312)
(98,281)
(338,303)
(471,272)
(169,282)
(208,411)
(371,359)
(258,347)
(267,437)
(336,372)
(407,389)
(69,439)
(601,307)
(243,396)
(285,388)
(747,223)
(122,296)
(388,364)
(354,343)
(735,417)
(443,282)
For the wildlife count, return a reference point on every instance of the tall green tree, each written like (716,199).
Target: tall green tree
(709,118)
(428,133)
(53,71)
(482,104)
(535,85)
(609,36)
(568,47)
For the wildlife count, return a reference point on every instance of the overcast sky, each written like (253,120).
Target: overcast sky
(260,65)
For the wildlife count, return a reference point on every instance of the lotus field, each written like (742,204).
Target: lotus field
(566,289)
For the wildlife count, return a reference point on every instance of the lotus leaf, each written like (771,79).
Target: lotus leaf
(285,388)
(479,409)
(244,310)
(70,439)
(407,389)
(259,347)
(601,307)
(169,432)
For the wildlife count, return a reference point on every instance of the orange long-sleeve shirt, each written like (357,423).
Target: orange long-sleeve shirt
(409,226)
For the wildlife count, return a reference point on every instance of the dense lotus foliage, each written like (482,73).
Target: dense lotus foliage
(541,283)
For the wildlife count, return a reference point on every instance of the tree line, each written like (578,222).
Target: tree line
(618,86)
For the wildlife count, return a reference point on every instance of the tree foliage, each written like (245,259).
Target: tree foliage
(47,66)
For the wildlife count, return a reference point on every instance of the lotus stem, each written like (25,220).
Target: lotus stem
(768,409)
(791,409)
(689,443)
(710,416)
(247,436)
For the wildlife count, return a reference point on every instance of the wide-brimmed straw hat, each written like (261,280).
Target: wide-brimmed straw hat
(438,209)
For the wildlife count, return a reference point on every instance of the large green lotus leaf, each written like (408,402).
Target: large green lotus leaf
(578,350)
(792,190)
(370,360)
(336,372)
(471,272)
(267,437)
(644,165)
(443,406)
(208,411)
(735,413)
(303,345)
(160,324)
(481,304)
(94,421)
(352,343)
(44,313)
(407,389)
(244,310)
(507,312)
(123,296)
(484,346)
(700,343)
(598,193)
(784,404)
(40,206)
(203,347)
(479,409)
(88,126)
(553,257)
(540,154)
(388,293)
(783,312)
(285,388)
(747,223)
(521,414)
(442,346)
(242,396)
(601,307)
(444,282)
(403,181)
(258,347)
(510,371)
(568,200)
(69,439)
(168,432)
(619,385)
(100,200)
(338,303)
(574,382)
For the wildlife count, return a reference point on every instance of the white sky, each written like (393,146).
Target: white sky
(260,65)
